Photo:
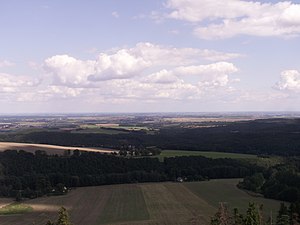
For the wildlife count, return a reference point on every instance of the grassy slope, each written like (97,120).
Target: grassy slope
(15,208)
(153,203)
(225,190)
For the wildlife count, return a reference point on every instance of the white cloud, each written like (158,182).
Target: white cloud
(215,68)
(128,63)
(289,80)
(6,63)
(138,90)
(225,19)
(13,87)
(115,14)
(67,70)
(168,55)
(145,72)
(174,31)
(11,83)
(61,91)
(162,77)
(122,64)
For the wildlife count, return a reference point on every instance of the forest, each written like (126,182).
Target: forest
(281,182)
(27,175)
(265,136)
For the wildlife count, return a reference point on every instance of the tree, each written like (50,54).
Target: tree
(19,196)
(283,220)
(63,217)
(294,212)
(238,218)
(252,216)
(222,216)
(49,223)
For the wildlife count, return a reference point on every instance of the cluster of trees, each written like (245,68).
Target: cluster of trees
(254,216)
(132,151)
(269,136)
(33,175)
(280,182)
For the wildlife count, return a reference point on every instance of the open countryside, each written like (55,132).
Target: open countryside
(147,203)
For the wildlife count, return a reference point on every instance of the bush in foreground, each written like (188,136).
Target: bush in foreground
(254,216)
(63,218)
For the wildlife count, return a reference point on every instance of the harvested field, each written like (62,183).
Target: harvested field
(148,204)
(126,203)
(50,149)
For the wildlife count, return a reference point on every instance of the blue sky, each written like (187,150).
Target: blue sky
(149,56)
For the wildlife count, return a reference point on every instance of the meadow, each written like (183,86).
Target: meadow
(213,155)
(147,203)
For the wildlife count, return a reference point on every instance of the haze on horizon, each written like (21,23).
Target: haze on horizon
(149,56)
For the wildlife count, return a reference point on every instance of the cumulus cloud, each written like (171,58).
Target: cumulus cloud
(122,64)
(6,63)
(137,61)
(145,71)
(162,77)
(289,80)
(14,88)
(213,75)
(139,90)
(61,91)
(115,14)
(209,69)
(168,55)
(67,70)
(11,83)
(225,19)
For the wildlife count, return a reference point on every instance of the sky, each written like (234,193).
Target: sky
(77,56)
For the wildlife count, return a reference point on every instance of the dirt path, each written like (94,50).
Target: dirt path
(50,149)
(5,201)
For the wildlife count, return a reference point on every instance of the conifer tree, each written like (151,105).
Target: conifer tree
(252,216)
(63,217)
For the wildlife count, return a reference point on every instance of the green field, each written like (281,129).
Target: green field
(213,155)
(150,203)
(113,129)
(216,191)
(99,130)
(15,208)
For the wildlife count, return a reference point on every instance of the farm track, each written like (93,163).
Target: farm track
(50,149)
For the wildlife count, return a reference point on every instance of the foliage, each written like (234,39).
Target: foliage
(63,218)
(266,137)
(254,216)
(33,175)
(253,183)
(281,182)
(222,216)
